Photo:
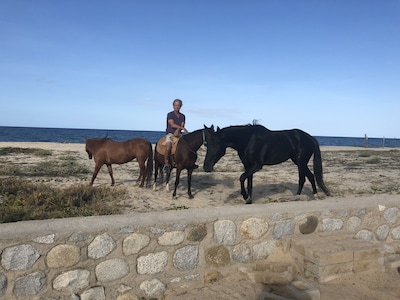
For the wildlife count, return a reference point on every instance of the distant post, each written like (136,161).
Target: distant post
(383,142)
(366,141)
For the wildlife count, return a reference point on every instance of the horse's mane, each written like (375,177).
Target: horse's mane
(190,135)
(98,140)
(106,138)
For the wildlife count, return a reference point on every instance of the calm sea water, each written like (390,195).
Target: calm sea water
(69,135)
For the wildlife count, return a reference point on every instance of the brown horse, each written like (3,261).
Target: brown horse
(106,152)
(184,158)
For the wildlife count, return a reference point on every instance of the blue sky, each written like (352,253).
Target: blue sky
(331,68)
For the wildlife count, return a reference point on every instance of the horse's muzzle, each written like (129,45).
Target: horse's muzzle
(208,168)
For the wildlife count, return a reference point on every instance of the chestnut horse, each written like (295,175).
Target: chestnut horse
(106,152)
(184,158)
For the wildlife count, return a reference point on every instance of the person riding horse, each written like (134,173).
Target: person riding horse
(175,125)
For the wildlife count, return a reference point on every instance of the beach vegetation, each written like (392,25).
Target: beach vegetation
(180,207)
(63,166)
(354,164)
(365,153)
(22,200)
(29,151)
(374,160)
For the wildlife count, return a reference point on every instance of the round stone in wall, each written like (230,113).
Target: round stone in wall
(309,225)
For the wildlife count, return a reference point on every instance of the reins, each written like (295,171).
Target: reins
(187,146)
(204,143)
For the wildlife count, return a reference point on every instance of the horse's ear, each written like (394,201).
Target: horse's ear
(218,129)
(211,127)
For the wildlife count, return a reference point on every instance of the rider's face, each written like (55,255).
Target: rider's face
(177,106)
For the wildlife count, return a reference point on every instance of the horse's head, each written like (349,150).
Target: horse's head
(90,154)
(215,147)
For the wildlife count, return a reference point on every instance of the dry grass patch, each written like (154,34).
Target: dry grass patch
(23,200)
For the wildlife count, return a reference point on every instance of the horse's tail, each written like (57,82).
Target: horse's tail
(149,167)
(318,168)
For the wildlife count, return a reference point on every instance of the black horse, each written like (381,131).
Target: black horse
(258,146)
(184,157)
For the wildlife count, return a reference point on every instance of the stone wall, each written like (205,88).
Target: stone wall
(143,255)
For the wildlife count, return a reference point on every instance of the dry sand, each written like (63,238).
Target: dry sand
(348,172)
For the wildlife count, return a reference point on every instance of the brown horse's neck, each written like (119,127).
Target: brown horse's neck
(194,140)
(94,144)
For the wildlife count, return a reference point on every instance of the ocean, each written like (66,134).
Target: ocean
(71,135)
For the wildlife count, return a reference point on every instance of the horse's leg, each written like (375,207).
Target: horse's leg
(97,168)
(189,181)
(178,174)
(167,176)
(155,175)
(161,174)
(110,171)
(138,179)
(302,180)
(306,172)
(250,187)
(142,173)
(246,197)
(248,174)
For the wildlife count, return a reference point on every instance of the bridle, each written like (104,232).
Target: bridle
(204,142)
(204,139)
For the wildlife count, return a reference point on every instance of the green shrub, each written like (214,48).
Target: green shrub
(23,200)
(61,168)
(374,160)
(365,153)
(34,151)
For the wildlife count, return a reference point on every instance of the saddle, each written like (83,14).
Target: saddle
(161,145)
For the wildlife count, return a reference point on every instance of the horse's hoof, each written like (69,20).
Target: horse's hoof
(249,200)
(191,197)
(316,197)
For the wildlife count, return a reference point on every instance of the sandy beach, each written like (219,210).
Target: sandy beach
(348,172)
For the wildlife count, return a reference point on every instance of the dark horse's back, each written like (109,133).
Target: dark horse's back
(240,136)
(297,145)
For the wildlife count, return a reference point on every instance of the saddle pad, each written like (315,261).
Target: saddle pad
(161,145)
